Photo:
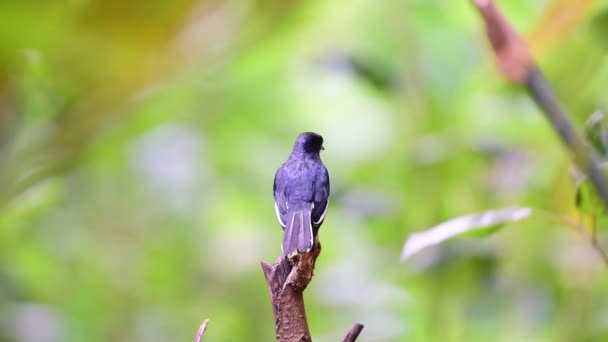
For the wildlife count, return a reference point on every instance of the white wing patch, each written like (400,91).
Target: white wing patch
(312,206)
(324,211)
(276,210)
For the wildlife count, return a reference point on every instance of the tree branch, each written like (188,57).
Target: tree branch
(287,279)
(201,331)
(354,332)
(517,64)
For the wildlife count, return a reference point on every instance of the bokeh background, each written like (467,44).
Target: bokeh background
(139,140)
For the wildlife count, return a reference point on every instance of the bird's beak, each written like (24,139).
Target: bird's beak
(322,148)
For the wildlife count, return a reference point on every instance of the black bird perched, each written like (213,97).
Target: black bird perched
(301,193)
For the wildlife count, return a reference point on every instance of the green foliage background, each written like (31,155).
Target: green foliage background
(139,140)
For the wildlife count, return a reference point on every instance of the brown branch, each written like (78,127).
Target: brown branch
(201,331)
(287,279)
(517,64)
(511,51)
(354,332)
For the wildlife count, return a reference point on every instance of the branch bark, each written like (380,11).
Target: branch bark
(287,279)
(354,332)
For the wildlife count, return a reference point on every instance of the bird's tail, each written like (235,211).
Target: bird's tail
(298,231)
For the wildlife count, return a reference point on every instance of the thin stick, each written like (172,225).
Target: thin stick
(354,332)
(543,95)
(201,331)
(579,227)
(595,242)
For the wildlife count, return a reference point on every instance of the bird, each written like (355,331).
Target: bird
(301,194)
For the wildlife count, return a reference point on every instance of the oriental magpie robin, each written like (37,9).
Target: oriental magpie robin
(301,193)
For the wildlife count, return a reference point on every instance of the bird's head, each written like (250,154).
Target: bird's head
(309,142)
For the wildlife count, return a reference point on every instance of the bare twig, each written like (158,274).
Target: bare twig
(543,95)
(595,242)
(517,64)
(354,332)
(579,227)
(201,331)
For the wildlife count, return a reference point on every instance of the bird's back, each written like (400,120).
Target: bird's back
(302,177)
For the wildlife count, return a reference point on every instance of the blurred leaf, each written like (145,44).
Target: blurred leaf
(561,18)
(586,199)
(599,26)
(456,227)
(596,132)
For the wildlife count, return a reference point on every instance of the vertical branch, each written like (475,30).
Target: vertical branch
(287,279)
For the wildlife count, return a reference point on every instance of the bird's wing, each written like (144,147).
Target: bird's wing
(321,198)
(280,198)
